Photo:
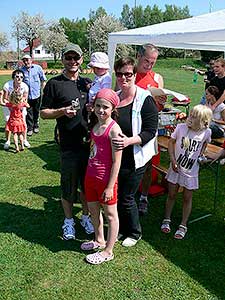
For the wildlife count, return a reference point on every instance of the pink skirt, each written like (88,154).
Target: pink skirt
(190,183)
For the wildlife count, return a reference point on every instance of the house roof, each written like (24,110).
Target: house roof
(36,43)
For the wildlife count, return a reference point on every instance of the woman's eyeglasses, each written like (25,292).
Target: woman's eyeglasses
(18,76)
(126,74)
(74,57)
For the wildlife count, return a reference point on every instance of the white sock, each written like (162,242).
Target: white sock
(69,221)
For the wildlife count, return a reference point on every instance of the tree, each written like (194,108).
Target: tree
(76,31)
(127,18)
(28,28)
(3,40)
(98,33)
(174,12)
(93,15)
(54,39)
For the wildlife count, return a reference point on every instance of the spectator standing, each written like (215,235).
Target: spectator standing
(147,57)
(218,80)
(35,78)
(64,99)
(138,120)
(18,85)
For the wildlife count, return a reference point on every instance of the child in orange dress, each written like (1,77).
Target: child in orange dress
(16,123)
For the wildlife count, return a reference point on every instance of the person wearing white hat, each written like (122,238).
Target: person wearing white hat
(100,64)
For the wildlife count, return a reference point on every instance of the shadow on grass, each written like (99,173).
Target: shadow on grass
(40,226)
(200,254)
(49,153)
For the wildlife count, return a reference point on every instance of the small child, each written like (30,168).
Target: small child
(217,124)
(101,177)
(100,64)
(188,142)
(15,123)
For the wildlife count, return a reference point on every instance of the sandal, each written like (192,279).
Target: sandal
(91,245)
(180,233)
(165,227)
(97,258)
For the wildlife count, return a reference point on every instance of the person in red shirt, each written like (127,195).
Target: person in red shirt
(146,77)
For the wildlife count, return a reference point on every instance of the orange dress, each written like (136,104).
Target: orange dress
(16,122)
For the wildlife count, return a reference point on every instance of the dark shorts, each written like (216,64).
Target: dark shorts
(73,168)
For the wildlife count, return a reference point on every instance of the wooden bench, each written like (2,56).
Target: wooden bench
(219,141)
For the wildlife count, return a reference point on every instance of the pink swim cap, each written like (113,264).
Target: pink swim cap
(108,95)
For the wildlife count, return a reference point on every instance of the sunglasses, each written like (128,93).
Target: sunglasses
(126,74)
(74,57)
(18,76)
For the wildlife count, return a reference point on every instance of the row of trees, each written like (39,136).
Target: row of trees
(91,34)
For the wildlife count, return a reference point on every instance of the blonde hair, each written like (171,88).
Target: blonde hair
(15,97)
(221,61)
(203,116)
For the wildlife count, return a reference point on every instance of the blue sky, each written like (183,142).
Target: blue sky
(54,9)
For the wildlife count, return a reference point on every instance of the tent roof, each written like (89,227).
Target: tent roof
(204,32)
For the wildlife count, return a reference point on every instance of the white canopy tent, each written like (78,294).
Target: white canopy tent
(204,32)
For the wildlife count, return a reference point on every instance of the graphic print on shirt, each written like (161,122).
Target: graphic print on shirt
(93,150)
(185,160)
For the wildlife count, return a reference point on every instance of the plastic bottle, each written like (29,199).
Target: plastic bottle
(195,76)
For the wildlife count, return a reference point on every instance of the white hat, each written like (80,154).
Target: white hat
(99,60)
(26,56)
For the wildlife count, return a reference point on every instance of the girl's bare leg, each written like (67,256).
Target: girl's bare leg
(113,229)
(187,206)
(97,221)
(173,189)
(15,138)
(21,136)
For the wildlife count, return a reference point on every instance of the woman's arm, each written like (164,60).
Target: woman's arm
(116,161)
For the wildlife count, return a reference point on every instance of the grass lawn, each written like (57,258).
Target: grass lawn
(35,263)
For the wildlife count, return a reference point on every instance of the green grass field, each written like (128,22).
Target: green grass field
(36,264)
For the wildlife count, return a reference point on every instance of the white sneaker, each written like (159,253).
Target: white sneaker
(129,242)
(6,145)
(68,231)
(87,224)
(26,144)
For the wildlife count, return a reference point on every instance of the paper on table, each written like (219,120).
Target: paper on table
(162,92)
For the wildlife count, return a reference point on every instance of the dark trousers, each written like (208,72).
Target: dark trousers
(128,183)
(33,113)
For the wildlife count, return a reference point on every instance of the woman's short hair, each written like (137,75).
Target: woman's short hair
(125,61)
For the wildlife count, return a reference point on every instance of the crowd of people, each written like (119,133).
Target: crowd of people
(108,139)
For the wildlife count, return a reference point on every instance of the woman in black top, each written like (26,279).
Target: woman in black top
(138,119)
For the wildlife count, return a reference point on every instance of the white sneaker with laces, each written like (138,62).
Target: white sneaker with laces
(87,224)
(26,144)
(6,145)
(68,231)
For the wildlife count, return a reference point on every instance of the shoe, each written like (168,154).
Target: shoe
(26,144)
(68,231)
(129,242)
(87,224)
(29,132)
(165,227)
(91,245)
(97,258)
(36,130)
(143,207)
(180,233)
(6,145)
